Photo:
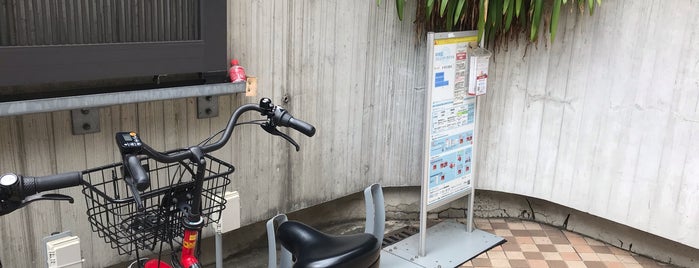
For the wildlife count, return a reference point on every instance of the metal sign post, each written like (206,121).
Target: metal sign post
(449,151)
(449,159)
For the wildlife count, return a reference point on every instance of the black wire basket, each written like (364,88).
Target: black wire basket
(115,216)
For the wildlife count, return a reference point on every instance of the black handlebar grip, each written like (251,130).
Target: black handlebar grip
(33,185)
(303,127)
(138,174)
(284,119)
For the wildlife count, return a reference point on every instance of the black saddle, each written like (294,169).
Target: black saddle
(314,249)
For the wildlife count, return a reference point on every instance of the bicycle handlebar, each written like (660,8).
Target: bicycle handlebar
(17,191)
(286,120)
(34,185)
(138,174)
(182,155)
(277,116)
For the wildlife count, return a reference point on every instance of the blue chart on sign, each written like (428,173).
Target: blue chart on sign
(471,113)
(439,80)
(449,143)
(451,147)
(450,166)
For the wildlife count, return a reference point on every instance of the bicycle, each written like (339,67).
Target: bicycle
(138,215)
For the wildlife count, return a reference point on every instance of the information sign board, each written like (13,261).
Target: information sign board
(450,135)
(451,121)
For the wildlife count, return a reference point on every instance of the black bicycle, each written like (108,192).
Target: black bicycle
(154,198)
(151,197)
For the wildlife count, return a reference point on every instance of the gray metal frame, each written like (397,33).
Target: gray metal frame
(451,243)
(424,207)
(375,223)
(106,99)
(285,258)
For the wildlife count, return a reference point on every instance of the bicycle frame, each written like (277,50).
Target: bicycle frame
(132,218)
(192,222)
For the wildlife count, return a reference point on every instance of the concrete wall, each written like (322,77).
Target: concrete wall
(351,69)
(361,86)
(605,121)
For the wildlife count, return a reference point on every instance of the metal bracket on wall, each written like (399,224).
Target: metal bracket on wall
(86,120)
(207,107)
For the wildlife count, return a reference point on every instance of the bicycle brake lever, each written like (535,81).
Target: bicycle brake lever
(274,131)
(55,197)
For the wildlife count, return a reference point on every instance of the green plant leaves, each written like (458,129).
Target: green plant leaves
(492,18)
(400,5)
(509,16)
(492,23)
(443,7)
(459,10)
(449,16)
(430,6)
(481,18)
(536,19)
(554,18)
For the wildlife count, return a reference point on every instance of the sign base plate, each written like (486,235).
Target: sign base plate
(449,244)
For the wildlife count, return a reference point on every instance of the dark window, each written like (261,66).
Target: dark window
(52,42)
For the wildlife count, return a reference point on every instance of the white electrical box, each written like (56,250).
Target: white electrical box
(230,216)
(64,252)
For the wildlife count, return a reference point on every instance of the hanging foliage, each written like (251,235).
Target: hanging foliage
(492,18)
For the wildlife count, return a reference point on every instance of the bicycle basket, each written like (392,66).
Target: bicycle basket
(113,213)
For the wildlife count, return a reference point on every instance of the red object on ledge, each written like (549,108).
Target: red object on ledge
(236,72)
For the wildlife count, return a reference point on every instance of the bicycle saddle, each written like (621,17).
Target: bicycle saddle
(314,249)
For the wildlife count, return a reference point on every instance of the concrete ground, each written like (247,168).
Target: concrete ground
(515,218)
(529,244)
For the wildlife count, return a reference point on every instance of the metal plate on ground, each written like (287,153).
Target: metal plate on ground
(449,244)
(389,260)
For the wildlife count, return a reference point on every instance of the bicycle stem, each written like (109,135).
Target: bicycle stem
(198,158)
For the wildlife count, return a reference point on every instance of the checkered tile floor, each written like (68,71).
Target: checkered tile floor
(530,244)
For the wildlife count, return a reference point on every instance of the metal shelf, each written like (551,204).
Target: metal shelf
(107,99)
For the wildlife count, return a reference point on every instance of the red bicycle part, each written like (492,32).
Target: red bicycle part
(156,264)
(189,244)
